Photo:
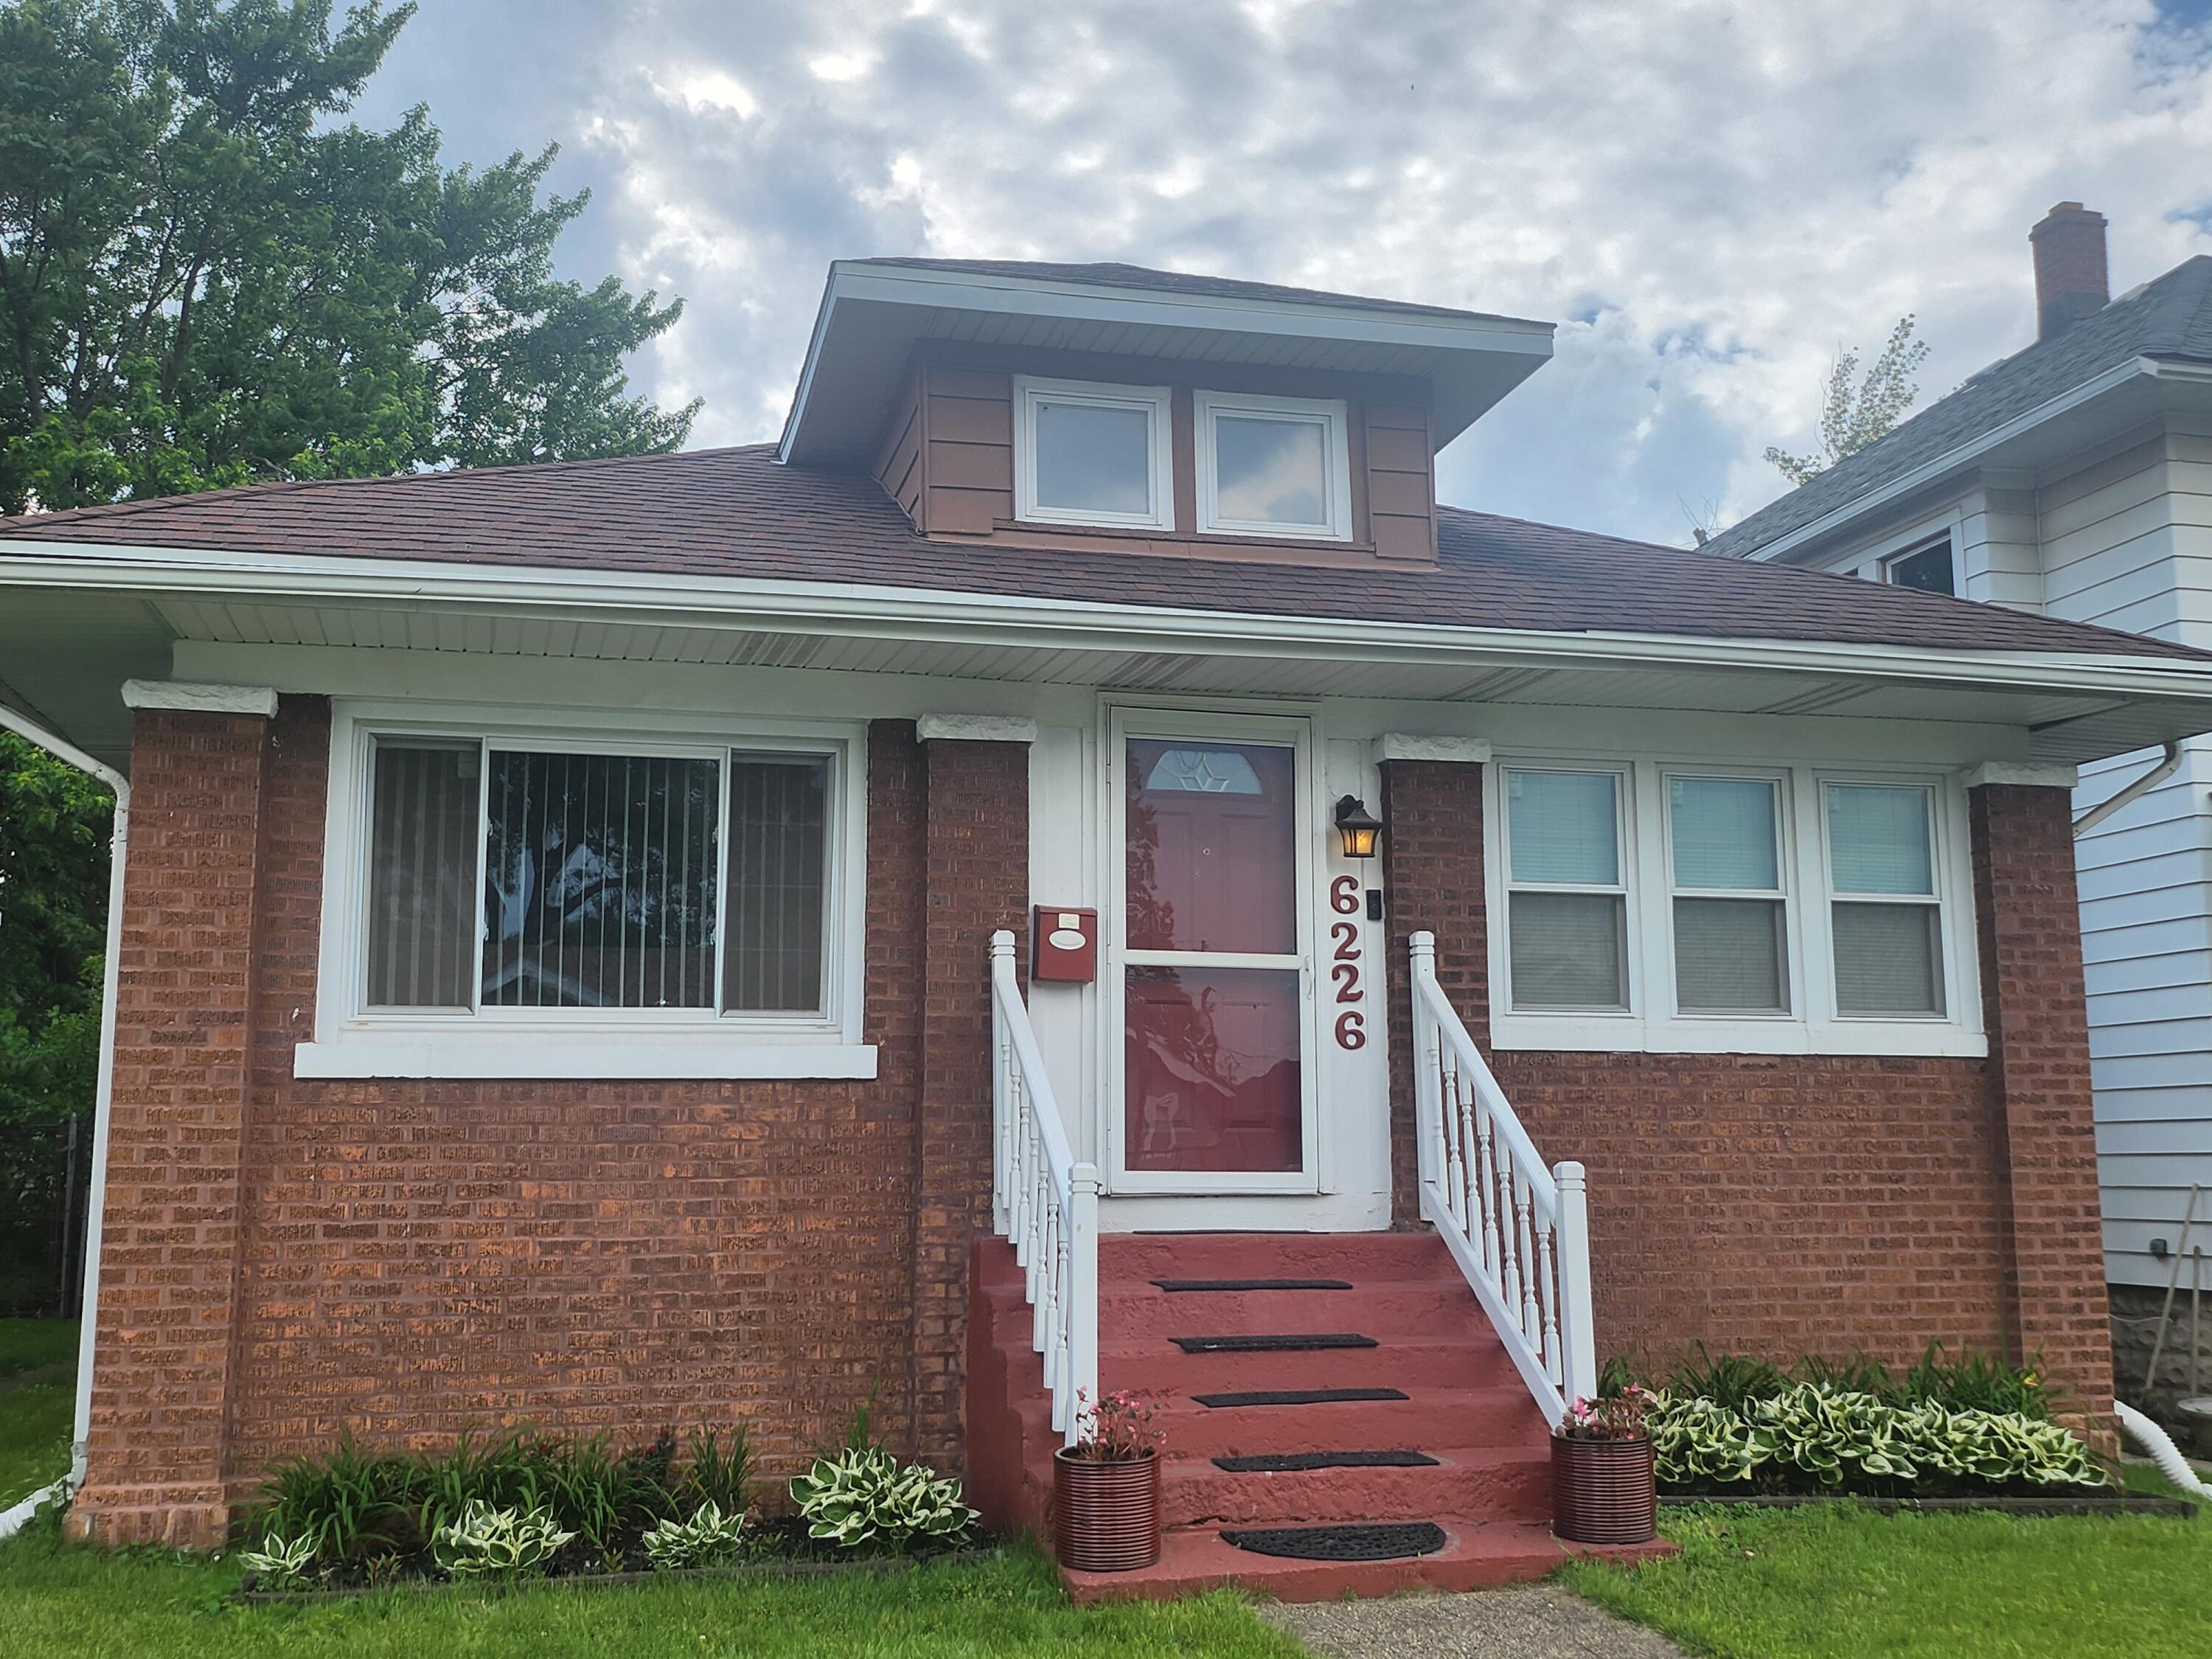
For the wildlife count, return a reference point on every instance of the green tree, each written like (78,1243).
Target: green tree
(208,278)
(1851,417)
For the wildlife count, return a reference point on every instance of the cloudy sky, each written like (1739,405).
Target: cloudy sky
(1709,198)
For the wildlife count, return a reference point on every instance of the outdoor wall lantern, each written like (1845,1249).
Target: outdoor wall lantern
(1357,827)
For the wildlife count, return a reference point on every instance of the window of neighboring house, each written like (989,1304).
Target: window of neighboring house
(1927,569)
(1567,901)
(1730,908)
(1272,466)
(1093,454)
(1885,905)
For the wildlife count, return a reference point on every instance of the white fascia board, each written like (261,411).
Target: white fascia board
(1031,296)
(200,699)
(1952,460)
(872,611)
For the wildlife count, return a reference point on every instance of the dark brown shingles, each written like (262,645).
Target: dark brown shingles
(735,513)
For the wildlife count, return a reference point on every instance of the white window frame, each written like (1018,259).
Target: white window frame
(1793,974)
(1886,565)
(1654,1023)
(1155,402)
(1832,895)
(1327,414)
(1624,856)
(355,1040)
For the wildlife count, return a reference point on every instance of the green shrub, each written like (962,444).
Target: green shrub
(861,1496)
(1732,1379)
(488,1542)
(350,1505)
(708,1539)
(1813,1435)
(1973,1382)
(716,1472)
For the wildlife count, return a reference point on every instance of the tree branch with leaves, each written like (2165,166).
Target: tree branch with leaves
(1854,416)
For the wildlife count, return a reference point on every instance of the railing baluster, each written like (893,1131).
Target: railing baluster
(1531,1323)
(1550,1292)
(1454,1157)
(1491,1262)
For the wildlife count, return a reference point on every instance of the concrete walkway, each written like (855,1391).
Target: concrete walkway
(1535,1621)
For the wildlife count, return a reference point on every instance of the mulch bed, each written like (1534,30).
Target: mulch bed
(779,1545)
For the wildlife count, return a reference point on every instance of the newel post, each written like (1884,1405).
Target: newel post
(1082,1379)
(1574,1283)
(1428,1076)
(1002,1128)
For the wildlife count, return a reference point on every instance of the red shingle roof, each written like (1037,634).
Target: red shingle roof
(736,513)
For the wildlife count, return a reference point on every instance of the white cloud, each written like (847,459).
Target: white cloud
(1710,198)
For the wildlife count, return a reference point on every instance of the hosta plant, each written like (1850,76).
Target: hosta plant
(484,1541)
(708,1539)
(280,1561)
(862,1496)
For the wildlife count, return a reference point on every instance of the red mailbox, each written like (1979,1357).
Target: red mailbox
(1064,944)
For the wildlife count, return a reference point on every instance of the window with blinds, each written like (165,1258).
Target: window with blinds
(1885,914)
(1730,912)
(510,879)
(1567,900)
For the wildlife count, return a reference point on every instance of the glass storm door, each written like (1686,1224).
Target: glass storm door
(1216,1091)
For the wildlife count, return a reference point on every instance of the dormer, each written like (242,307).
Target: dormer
(1017,405)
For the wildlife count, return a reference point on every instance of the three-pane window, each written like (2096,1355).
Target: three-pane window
(527,878)
(1641,891)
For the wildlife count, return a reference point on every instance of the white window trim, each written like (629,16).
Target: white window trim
(1815,1027)
(1793,969)
(1329,414)
(1623,888)
(1156,402)
(1884,568)
(354,1040)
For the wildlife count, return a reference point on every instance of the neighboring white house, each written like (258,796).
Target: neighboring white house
(2073,479)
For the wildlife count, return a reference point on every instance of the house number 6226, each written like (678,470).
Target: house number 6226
(1344,963)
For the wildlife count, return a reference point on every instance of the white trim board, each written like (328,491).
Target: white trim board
(200,699)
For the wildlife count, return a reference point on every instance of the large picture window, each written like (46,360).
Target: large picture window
(580,891)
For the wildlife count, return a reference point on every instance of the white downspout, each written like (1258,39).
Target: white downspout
(103,1100)
(2167,766)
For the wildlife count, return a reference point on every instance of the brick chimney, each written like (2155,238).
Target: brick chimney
(2071,281)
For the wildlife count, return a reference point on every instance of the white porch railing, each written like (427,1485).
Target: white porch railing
(1043,1201)
(1520,1232)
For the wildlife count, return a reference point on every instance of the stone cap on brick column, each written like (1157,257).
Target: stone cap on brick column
(200,699)
(1410,746)
(2036,774)
(975,728)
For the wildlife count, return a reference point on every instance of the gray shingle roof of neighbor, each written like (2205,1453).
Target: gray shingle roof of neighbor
(736,513)
(2168,317)
(1143,278)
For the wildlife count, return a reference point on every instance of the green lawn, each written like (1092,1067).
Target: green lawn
(38,1370)
(67,1602)
(1837,1580)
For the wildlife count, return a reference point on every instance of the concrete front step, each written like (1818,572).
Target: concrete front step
(1504,1483)
(1408,1307)
(1363,1258)
(1478,1554)
(1154,1367)
(1425,1419)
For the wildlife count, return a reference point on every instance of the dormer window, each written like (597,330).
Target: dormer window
(1093,454)
(1273,466)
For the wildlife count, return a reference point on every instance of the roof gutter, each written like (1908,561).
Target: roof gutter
(880,611)
(1966,454)
(103,1103)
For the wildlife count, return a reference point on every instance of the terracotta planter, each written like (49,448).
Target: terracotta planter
(1603,1492)
(1105,1516)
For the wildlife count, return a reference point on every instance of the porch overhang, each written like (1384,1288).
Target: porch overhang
(76,620)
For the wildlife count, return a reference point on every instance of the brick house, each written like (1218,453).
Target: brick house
(1070,867)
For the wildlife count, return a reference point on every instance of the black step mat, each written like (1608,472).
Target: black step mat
(1254,1284)
(1299,1462)
(1292,1342)
(1296,1396)
(1395,1541)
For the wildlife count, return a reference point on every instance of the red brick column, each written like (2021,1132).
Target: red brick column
(2043,1131)
(165,1354)
(1432,878)
(977,834)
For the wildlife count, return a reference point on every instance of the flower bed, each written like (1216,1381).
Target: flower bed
(529,1506)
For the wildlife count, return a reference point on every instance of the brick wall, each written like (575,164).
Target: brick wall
(1781,1205)
(413,1259)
